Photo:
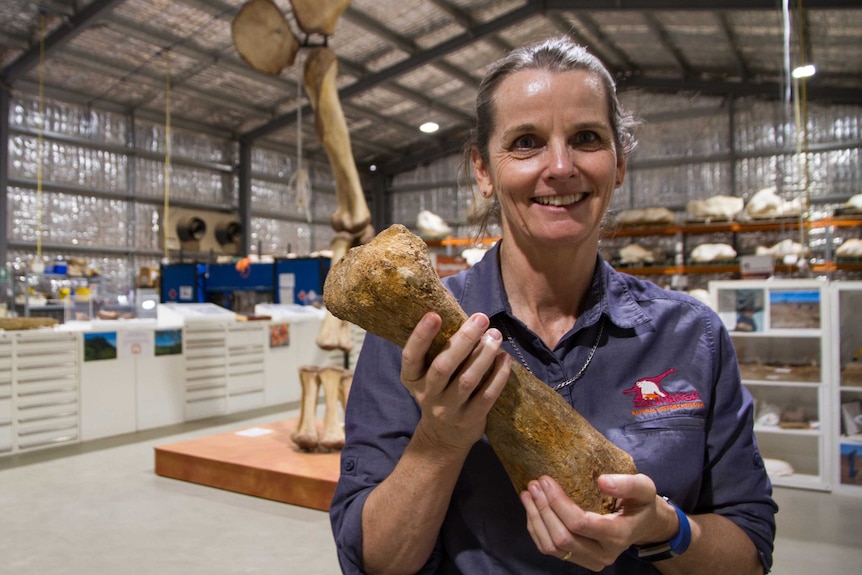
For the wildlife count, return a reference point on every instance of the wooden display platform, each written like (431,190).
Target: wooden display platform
(260,461)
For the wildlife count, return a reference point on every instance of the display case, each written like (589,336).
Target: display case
(847,365)
(782,344)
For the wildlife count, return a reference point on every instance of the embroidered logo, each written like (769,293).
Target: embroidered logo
(650,397)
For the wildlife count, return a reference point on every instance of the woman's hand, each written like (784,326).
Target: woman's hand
(456,392)
(561,528)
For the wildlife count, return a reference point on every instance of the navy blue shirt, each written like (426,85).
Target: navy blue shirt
(663,385)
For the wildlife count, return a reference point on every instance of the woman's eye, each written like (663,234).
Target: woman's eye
(587,138)
(524,143)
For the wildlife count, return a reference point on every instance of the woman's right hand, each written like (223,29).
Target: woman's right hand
(457,390)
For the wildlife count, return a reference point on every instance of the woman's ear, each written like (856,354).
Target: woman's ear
(480,171)
(620,172)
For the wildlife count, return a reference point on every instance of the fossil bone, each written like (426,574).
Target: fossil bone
(263,38)
(332,437)
(305,436)
(388,284)
(318,16)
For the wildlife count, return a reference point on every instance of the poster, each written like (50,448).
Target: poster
(100,345)
(169,342)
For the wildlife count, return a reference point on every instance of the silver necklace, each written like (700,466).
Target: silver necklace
(577,375)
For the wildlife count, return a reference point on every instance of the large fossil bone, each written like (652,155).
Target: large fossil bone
(320,81)
(318,16)
(387,285)
(263,37)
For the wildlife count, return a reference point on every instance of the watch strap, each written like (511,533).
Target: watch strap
(673,548)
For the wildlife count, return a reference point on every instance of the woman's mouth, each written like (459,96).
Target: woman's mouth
(559,201)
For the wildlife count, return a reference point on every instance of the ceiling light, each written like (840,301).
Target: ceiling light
(373,167)
(805,71)
(429,127)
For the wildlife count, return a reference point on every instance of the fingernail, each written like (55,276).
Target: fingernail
(494,334)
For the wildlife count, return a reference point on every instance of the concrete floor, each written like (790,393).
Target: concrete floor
(98,508)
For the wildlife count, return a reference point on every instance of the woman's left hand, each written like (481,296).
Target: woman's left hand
(559,527)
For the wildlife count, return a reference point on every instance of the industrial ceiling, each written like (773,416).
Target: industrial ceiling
(405,62)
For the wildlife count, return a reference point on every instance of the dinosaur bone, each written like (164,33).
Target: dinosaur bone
(388,284)
(332,437)
(263,38)
(305,436)
(318,16)
(321,70)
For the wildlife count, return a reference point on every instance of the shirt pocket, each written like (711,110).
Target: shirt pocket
(670,450)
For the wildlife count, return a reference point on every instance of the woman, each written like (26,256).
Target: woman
(421,490)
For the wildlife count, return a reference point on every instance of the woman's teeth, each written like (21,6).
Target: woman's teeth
(559,200)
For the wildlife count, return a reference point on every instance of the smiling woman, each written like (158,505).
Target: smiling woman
(423,490)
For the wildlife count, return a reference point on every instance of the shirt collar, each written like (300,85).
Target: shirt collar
(609,295)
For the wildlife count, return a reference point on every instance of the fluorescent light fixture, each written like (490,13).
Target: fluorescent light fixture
(805,71)
(429,127)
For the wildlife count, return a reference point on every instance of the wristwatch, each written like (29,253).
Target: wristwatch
(676,546)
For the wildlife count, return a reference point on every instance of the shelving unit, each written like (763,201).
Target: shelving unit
(681,239)
(847,364)
(825,262)
(53,304)
(778,330)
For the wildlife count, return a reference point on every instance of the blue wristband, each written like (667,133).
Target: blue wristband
(676,546)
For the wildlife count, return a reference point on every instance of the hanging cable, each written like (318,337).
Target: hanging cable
(166,218)
(39,138)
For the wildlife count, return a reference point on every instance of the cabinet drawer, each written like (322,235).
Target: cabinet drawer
(203,353)
(5,437)
(204,391)
(206,408)
(35,373)
(203,373)
(44,438)
(245,400)
(5,410)
(60,426)
(45,411)
(28,388)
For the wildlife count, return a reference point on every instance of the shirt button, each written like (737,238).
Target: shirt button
(349,465)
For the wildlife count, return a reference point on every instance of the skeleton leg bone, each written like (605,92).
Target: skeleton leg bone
(305,436)
(333,432)
(344,391)
(321,69)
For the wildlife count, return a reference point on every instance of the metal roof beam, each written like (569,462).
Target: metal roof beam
(73,26)
(772,90)
(691,5)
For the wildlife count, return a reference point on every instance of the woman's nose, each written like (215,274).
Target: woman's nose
(561,164)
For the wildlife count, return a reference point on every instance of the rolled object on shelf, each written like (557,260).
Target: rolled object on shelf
(389,284)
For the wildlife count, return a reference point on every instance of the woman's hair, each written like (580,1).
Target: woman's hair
(558,54)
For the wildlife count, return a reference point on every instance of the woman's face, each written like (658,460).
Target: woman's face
(552,160)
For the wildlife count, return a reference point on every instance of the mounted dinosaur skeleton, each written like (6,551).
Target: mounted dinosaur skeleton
(264,39)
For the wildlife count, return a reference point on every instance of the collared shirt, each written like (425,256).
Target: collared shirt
(663,384)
